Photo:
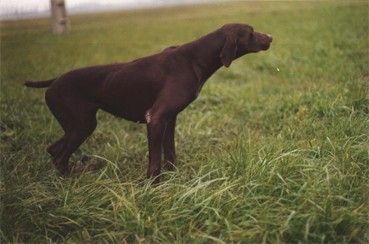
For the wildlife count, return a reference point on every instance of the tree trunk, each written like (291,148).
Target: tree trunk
(59,16)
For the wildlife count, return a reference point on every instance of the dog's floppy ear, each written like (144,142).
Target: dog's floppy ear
(229,50)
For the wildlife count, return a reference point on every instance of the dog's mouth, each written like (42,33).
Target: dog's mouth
(265,47)
(267,40)
(262,42)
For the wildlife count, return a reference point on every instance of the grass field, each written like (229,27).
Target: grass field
(275,149)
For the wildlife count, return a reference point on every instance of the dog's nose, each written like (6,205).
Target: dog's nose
(270,37)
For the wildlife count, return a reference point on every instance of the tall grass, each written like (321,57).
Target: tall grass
(275,149)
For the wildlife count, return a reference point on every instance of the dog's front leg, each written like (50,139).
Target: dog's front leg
(155,133)
(169,144)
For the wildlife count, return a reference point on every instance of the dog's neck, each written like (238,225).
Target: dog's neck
(205,54)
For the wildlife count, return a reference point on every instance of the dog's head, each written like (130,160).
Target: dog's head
(240,39)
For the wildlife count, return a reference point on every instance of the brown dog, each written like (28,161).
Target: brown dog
(151,90)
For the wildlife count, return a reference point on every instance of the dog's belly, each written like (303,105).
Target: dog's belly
(130,102)
(132,111)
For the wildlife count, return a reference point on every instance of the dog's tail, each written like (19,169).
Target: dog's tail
(39,84)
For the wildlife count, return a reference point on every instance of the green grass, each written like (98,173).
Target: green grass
(263,155)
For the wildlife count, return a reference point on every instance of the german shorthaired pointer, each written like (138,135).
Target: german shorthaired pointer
(151,90)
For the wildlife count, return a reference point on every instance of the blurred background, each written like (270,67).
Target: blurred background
(18,9)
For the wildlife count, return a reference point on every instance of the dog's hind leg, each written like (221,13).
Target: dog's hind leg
(55,148)
(74,138)
(78,120)
(61,113)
